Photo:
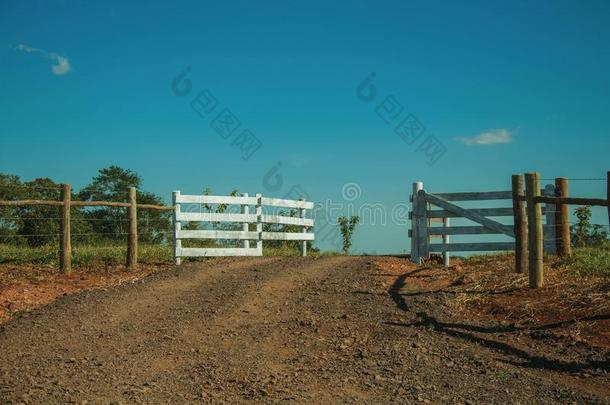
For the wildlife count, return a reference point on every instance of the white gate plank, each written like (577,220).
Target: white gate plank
(214,217)
(213,252)
(279,219)
(200,234)
(213,199)
(280,202)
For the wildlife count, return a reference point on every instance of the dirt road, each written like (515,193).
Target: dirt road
(313,330)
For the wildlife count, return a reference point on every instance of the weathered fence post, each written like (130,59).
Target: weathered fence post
(415,256)
(446,254)
(520,225)
(535,236)
(304,230)
(422,225)
(65,248)
(549,229)
(177,228)
(132,246)
(259,222)
(562,219)
(245,243)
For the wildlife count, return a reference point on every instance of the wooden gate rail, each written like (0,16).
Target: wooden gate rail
(422,216)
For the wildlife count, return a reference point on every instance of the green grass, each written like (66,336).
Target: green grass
(291,251)
(113,254)
(84,255)
(281,251)
(589,261)
(13,254)
(487,258)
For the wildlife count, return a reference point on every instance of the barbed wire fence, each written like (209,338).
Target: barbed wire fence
(551,239)
(42,224)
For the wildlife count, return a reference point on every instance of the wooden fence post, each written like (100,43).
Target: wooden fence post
(132,245)
(535,236)
(65,248)
(245,243)
(177,228)
(520,225)
(562,219)
(415,257)
(304,230)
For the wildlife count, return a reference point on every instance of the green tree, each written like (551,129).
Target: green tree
(347,225)
(39,223)
(583,233)
(35,225)
(112,184)
(11,188)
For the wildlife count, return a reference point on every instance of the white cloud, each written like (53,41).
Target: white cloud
(28,49)
(491,137)
(61,64)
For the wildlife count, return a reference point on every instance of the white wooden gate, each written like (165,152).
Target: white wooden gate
(245,217)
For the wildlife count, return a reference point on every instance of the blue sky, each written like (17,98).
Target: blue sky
(505,87)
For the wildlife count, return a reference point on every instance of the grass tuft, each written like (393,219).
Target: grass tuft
(589,261)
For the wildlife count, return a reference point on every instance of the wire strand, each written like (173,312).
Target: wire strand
(57,188)
(581,179)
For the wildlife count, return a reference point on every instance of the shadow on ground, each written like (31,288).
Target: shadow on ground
(472,333)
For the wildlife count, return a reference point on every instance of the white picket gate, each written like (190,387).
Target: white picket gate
(244,217)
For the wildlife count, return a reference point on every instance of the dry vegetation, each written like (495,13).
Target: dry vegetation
(24,287)
(574,301)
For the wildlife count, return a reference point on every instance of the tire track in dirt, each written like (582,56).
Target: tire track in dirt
(255,334)
(324,330)
(167,323)
(92,332)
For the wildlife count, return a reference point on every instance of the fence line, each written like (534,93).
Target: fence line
(530,204)
(560,232)
(65,234)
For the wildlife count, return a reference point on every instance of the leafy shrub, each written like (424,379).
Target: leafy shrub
(583,233)
(347,226)
(590,261)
